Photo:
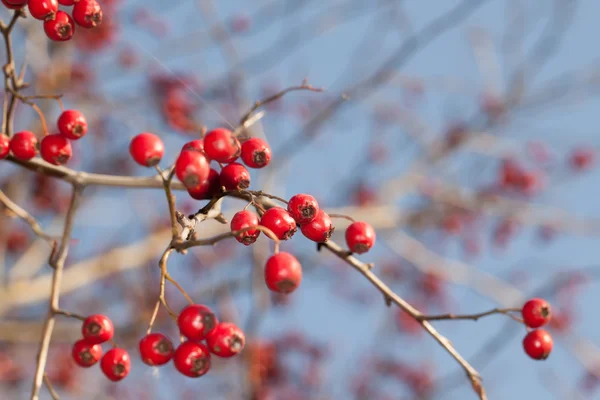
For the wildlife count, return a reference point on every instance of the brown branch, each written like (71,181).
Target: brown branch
(25,216)
(48,384)
(170,199)
(69,314)
(474,317)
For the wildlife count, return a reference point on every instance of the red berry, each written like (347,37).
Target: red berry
(226,340)
(156,349)
(280,222)
(85,354)
(256,153)
(192,168)
(146,149)
(283,273)
(303,208)
(4,146)
(538,344)
(66,2)
(24,145)
(60,28)
(360,237)
(242,220)
(220,145)
(72,123)
(207,189)
(87,13)
(197,144)
(42,9)
(116,364)
(196,321)
(97,329)
(192,359)
(56,149)
(536,313)
(582,158)
(319,229)
(14,4)
(235,177)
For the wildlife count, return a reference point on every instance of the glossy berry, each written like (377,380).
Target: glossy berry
(116,364)
(303,208)
(192,359)
(360,237)
(24,145)
(97,329)
(71,123)
(242,220)
(226,340)
(14,4)
(156,349)
(220,145)
(283,273)
(87,13)
(319,229)
(42,9)
(538,344)
(235,177)
(280,222)
(256,153)
(4,146)
(66,2)
(85,354)
(56,149)
(197,144)
(192,168)
(207,189)
(536,313)
(195,321)
(59,28)
(146,149)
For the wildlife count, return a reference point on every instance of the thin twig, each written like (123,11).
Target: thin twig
(474,317)
(25,216)
(48,384)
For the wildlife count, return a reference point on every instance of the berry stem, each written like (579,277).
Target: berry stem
(69,314)
(170,198)
(51,390)
(474,317)
(342,216)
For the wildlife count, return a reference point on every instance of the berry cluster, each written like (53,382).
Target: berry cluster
(58,24)
(55,148)
(538,342)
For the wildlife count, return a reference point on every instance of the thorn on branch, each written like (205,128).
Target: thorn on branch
(387,299)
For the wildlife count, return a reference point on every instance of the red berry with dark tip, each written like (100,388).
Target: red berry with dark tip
(280,222)
(536,313)
(156,349)
(303,208)
(24,145)
(146,149)
(538,344)
(87,13)
(319,229)
(97,329)
(226,340)
(197,144)
(360,237)
(42,9)
(221,145)
(192,168)
(86,354)
(283,273)
(256,153)
(242,220)
(72,124)
(116,364)
(56,149)
(192,359)
(235,177)
(207,189)
(196,321)
(60,28)
(4,146)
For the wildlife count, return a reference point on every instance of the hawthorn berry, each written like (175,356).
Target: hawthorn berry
(72,123)
(14,4)
(197,144)
(283,273)
(319,229)
(303,208)
(56,149)
(220,145)
(582,158)
(280,222)
(24,145)
(86,354)
(192,168)
(115,364)
(207,189)
(196,321)
(242,220)
(538,344)
(156,349)
(146,149)
(4,146)
(360,237)
(42,9)
(256,153)
(536,313)
(59,28)
(87,13)
(66,2)
(235,177)
(226,340)
(192,359)
(97,329)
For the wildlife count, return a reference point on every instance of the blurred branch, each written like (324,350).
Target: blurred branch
(24,215)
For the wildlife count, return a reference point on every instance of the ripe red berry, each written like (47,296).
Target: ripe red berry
(235,177)
(207,189)
(56,149)
(146,149)
(538,344)
(536,313)
(360,237)
(97,329)
(24,145)
(220,145)
(303,208)
(242,220)
(66,2)
(14,4)
(256,153)
(197,144)
(192,359)
(42,9)
(192,168)
(87,13)
(196,321)
(283,273)
(226,340)
(319,229)
(85,354)
(4,146)
(116,364)
(156,349)
(71,123)
(59,28)
(280,222)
